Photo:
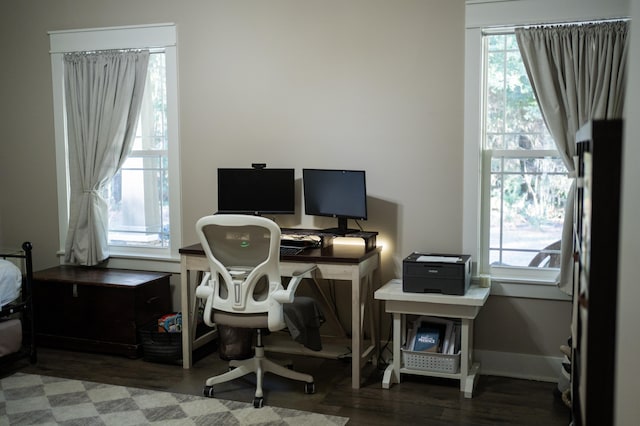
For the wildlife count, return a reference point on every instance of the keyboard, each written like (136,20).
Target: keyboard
(290,251)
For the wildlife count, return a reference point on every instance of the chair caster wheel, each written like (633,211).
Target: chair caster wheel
(208,391)
(309,388)
(258,402)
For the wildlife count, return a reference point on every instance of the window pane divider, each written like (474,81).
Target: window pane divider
(524,153)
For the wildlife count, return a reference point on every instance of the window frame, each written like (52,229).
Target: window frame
(515,282)
(518,273)
(153,37)
(515,274)
(488,14)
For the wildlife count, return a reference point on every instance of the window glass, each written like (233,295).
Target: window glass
(138,195)
(527,182)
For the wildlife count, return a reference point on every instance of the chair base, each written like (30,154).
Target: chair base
(259,365)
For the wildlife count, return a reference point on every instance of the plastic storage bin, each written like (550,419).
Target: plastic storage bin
(431,361)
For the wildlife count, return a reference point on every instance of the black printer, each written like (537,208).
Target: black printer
(436,273)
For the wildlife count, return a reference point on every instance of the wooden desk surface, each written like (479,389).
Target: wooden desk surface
(337,253)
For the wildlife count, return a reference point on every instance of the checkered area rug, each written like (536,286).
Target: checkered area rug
(27,399)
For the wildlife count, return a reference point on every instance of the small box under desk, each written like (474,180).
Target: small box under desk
(97,309)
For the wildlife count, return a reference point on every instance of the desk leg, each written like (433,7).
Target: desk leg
(362,302)
(373,329)
(185,294)
(356,328)
(392,373)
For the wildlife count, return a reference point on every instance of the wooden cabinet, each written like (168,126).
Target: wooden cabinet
(595,290)
(95,309)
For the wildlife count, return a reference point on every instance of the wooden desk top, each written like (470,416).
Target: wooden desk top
(338,253)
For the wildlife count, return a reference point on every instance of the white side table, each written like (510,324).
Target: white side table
(466,308)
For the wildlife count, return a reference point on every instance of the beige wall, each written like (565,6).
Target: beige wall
(366,84)
(374,85)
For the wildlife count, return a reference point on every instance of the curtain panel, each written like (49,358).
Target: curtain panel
(103,95)
(577,73)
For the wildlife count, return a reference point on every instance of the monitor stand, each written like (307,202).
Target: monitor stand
(342,229)
(338,232)
(327,235)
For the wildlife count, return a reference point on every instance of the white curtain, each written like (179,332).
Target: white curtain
(578,74)
(103,92)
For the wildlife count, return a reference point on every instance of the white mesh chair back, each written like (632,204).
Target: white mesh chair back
(244,259)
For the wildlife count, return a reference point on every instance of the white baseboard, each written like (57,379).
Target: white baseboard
(520,366)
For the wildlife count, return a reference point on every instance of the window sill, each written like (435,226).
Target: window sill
(171,265)
(527,288)
(142,263)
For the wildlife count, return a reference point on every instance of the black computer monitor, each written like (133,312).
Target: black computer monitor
(335,193)
(256,191)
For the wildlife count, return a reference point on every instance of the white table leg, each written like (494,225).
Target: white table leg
(392,372)
(468,369)
(471,379)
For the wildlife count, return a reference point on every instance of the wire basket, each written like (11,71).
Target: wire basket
(158,346)
(431,361)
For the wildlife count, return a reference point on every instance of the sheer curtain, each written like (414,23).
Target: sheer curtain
(578,74)
(103,94)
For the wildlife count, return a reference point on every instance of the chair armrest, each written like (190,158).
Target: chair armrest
(203,290)
(286,295)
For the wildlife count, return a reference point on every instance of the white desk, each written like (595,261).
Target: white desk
(464,307)
(351,263)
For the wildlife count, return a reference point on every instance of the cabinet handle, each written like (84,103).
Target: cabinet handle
(152,299)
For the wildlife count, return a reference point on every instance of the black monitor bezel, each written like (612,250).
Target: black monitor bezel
(342,217)
(260,208)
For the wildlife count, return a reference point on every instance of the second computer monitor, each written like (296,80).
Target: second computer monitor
(335,193)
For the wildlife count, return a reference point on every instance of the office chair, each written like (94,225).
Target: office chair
(243,289)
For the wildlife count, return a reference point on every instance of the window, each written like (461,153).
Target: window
(524,181)
(138,195)
(143,198)
(483,19)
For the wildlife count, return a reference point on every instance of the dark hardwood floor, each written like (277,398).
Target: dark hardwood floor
(417,400)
